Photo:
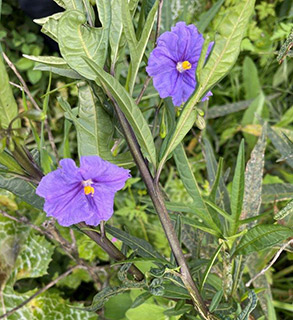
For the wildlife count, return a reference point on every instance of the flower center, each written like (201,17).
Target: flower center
(183,66)
(87,188)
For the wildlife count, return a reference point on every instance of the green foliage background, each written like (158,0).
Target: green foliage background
(207,174)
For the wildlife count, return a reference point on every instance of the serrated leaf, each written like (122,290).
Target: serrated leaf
(192,188)
(253,178)
(250,306)
(8,106)
(262,237)
(276,192)
(221,60)
(141,247)
(24,190)
(34,258)
(285,211)
(130,110)
(237,189)
(77,40)
(43,307)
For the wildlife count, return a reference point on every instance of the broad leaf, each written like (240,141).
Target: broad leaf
(34,258)
(129,108)
(262,237)
(8,106)
(77,40)
(24,190)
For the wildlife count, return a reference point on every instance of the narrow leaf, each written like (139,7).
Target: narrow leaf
(262,237)
(237,189)
(285,211)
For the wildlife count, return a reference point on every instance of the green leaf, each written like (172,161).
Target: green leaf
(221,60)
(250,306)
(34,258)
(8,106)
(262,237)
(116,32)
(142,298)
(253,178)
(10,163)
(50,25)
(216,300)
(227,44)
(285,211)
(64,72)
(276,192)
(250,79)
(94,127)
(192,188)
(237,189)
(209,266)
(136,48)
(222,192)
(208,16)
(171,291)
(130,110)
(77,40)
(24,190)
(45,306)
(104,295)
(282,145)
(213,193)
(141,247)
(145,311)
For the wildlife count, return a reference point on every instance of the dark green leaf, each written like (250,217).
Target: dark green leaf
(276,192)
(250,307)
(262,237)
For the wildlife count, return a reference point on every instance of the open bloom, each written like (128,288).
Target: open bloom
(74,195)
(173,63)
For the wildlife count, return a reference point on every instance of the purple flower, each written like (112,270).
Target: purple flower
(172,64)
(86,194)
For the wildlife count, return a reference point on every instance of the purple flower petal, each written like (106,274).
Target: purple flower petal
(183,43)
(86,194)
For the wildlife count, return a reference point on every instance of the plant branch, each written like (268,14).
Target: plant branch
(159,204)
(270,264)
(45,288)
(110,248)
(33,101)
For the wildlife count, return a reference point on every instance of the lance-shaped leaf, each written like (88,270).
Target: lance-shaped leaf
(252,297)
(277,192)
(141,247)
(192,188)
(262,237)
(285,211)
(221,60)
(136,48)
(129,108)
(77,40)
(253,179)
(237,189)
